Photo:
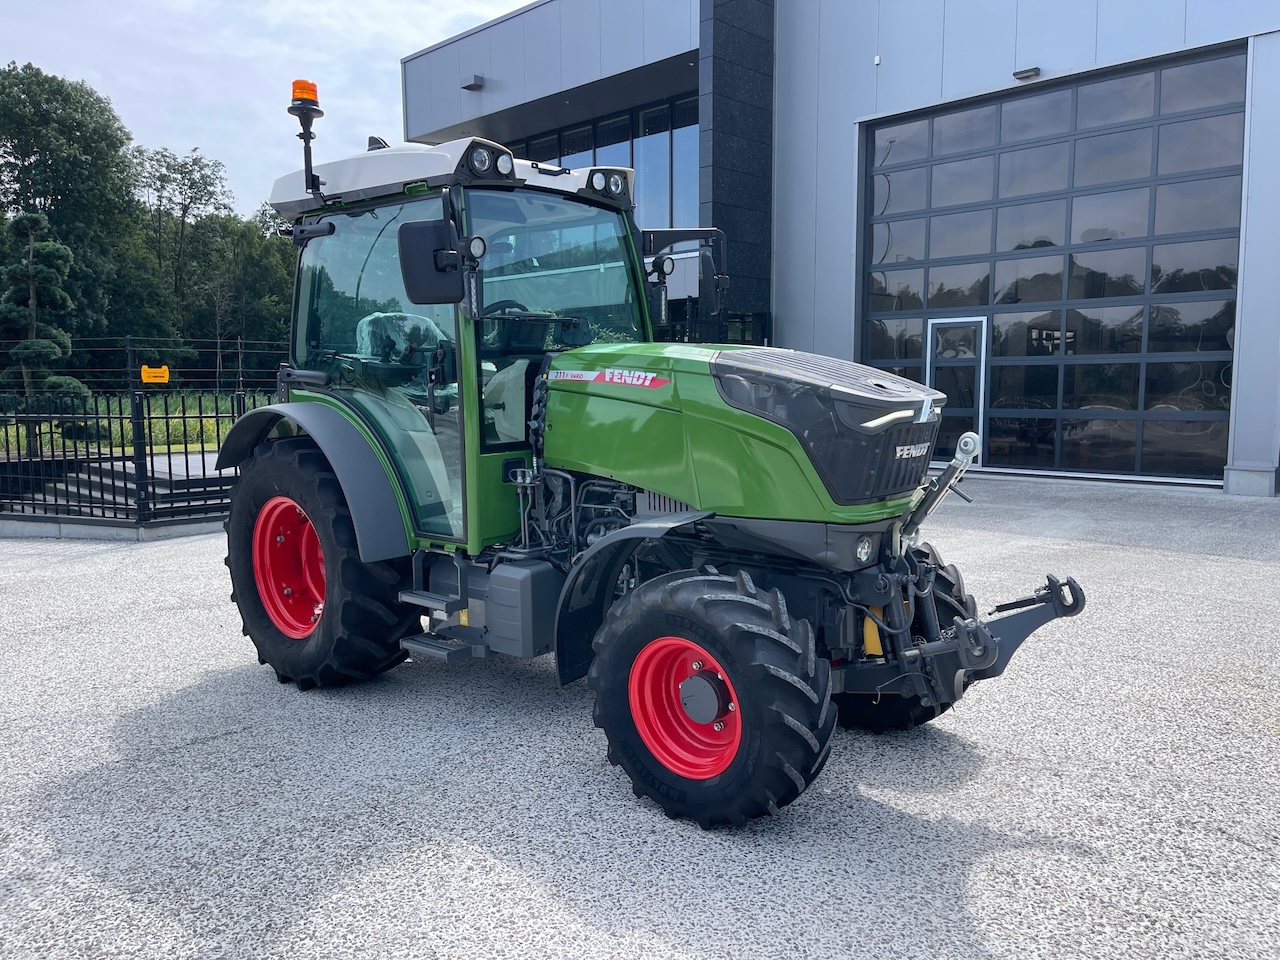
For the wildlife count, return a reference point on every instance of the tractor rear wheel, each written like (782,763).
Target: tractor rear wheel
(878,714)
(317,614)
(713,699)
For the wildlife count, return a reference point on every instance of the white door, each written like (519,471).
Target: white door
(955,362)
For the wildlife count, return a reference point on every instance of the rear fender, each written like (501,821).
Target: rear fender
(589,591)
(370,494)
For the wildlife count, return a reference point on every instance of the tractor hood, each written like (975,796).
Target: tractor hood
(743,431)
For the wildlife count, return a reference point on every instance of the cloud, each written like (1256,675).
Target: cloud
(217,75)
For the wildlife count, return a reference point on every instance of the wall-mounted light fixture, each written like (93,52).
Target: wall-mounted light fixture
(476,81)
(1030,73)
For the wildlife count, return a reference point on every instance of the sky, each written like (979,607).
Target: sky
(217,74)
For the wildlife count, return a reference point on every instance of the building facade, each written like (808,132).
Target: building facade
(1057,213)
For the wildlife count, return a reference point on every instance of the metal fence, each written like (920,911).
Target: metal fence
(132,452)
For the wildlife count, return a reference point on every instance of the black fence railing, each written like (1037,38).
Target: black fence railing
(141,457)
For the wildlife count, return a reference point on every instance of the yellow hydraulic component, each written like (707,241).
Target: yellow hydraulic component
(871,634)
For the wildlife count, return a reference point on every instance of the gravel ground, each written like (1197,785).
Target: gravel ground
(1113,795)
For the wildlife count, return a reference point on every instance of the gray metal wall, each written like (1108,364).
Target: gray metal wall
(540,50)
(934,51)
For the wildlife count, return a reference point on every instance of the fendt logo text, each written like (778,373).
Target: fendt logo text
(632,378)
(913,450)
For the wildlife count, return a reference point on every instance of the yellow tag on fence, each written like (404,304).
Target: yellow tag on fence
(155,374)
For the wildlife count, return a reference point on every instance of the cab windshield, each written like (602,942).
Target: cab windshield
(549,256)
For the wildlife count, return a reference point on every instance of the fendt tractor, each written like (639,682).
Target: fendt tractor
(478,449)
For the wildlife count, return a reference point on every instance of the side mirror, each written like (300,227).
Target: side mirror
(709,287)
(430,262)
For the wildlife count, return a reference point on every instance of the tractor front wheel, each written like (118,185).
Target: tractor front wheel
(317,614)
(879,714)
(712,697)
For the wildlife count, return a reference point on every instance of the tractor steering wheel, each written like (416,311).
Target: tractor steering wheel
(502,306)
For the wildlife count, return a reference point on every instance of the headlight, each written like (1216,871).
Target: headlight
(505,164)
(863,550)
(617,183)
(481,160)
(598,181)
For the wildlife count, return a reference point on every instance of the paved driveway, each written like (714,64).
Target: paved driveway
(1114,795)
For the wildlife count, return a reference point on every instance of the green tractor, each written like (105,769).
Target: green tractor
(478,449)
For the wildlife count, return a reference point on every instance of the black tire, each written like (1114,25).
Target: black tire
(356,631)
(860,711)
(777,734)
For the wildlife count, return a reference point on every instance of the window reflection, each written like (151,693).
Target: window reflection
(1029,280)
(1113,157)
(1108,273)
(613,141)
(902,143)
(960,234)
(1198,205)
(1036,334)
(1030,225)
(578,147)
(1105,330)
(965,130)
(1022,442)
(1185,448)
(1202,144)
(1191,267)
(960,285)
(1200,325)
(1031,117)
(900,192)
(1100,445)
(1100,386)
(963,181)
(1189,385)
(1115,101)
(1024,387)
(1110,216)
(897,241)
(652,152)
(1205,84)
(892,290)
(1036,170)
(893,338)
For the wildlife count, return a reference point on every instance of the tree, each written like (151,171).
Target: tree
(32,303)
(63,154)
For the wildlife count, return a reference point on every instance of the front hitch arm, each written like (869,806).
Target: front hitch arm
(1055,599)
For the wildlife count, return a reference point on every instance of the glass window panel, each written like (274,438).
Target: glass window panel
(652,152)
(578,147)
(545,149)
(1199,85)
(960,234)
(1189,385)
(963,181)
(1100,386)
(894,338)
(1193,267)
(613,142)
(965,130)
(1184,448)
(896,290)
(1029,280)
(902,143)
(1030,386)
(1200,325)
(1036,334)
(1108,273)
(1021,442)
(900,191)
(959,383)
(1105,330)
(1037,170)
(913,371)
(1198,205)
(1032,117)
(955,341)
(949,432)
(684,113)
(1202,144)
(1114,157)
(1115,101)
(684,174)
(960,285)
(1110,216)
(1030,225)
(1100,446)
(897,241)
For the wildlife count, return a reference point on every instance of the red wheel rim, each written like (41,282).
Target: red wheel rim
(697,751)
(288,566)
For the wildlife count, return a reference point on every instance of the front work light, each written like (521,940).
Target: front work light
(481,160)
(598,181)
(617,184)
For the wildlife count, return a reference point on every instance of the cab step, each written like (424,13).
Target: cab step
(442,648)
(445,603)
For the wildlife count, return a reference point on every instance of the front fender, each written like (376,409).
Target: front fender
(588,591)
(371,496)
